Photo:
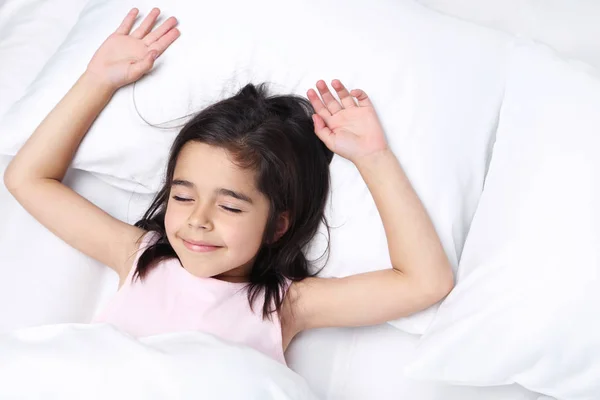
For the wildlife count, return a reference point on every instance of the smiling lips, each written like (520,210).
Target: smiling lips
(199,247)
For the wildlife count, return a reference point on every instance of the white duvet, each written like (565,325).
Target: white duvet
(80,361)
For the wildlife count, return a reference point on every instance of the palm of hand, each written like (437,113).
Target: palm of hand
(356,132)
(124,58)
(349,130)
(115,58)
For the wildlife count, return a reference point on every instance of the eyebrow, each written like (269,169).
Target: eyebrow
(220,191)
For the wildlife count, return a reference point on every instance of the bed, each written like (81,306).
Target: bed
(357,363)
(45,282)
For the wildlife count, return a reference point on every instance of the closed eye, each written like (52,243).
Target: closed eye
(184,200)
(233,210)
(181,199)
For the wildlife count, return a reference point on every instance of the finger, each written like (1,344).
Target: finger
(361,96)
(322,130)
(147,24)
(143,65)
(165,41)
(343,94)
(127,23)
(317,104)
(159,32)
(330,102)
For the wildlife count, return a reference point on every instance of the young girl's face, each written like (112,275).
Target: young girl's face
(214,202)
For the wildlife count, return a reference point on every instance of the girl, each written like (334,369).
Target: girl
(221,247)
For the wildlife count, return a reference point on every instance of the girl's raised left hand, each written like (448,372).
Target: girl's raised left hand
(350,130)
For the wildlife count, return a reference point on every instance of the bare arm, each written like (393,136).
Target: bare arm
(34,175)
(34,178)
(421,274)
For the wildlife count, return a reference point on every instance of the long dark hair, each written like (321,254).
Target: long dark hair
(274,136)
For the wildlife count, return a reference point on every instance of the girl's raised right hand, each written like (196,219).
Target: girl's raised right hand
(125,57)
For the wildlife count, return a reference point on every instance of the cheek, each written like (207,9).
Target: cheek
(259,227)
(173,219)
(246,235)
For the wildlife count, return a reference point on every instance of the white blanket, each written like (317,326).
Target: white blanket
(80,361)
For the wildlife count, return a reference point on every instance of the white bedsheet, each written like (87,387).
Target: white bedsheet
(74,361)
(44,281)
(367,363)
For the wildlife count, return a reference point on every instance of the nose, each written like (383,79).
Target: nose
(200,217)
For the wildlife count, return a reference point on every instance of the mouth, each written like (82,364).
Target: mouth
(199,247)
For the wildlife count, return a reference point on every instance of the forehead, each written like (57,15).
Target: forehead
(209,166)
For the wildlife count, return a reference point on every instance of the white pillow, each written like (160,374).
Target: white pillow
(30,32)
(527,303)
(569,26)
(440,121)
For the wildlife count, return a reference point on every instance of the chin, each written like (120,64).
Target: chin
(203,273)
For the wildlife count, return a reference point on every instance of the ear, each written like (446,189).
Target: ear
(282,225)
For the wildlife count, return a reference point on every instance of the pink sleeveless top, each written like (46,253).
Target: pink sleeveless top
(170,299)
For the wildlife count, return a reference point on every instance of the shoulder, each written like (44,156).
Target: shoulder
(147,239)
(289,325)
(294,314)
(142,242)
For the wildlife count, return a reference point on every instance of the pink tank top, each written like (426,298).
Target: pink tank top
(170,299)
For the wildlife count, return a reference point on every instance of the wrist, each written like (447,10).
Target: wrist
(371,160)
(97,83)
